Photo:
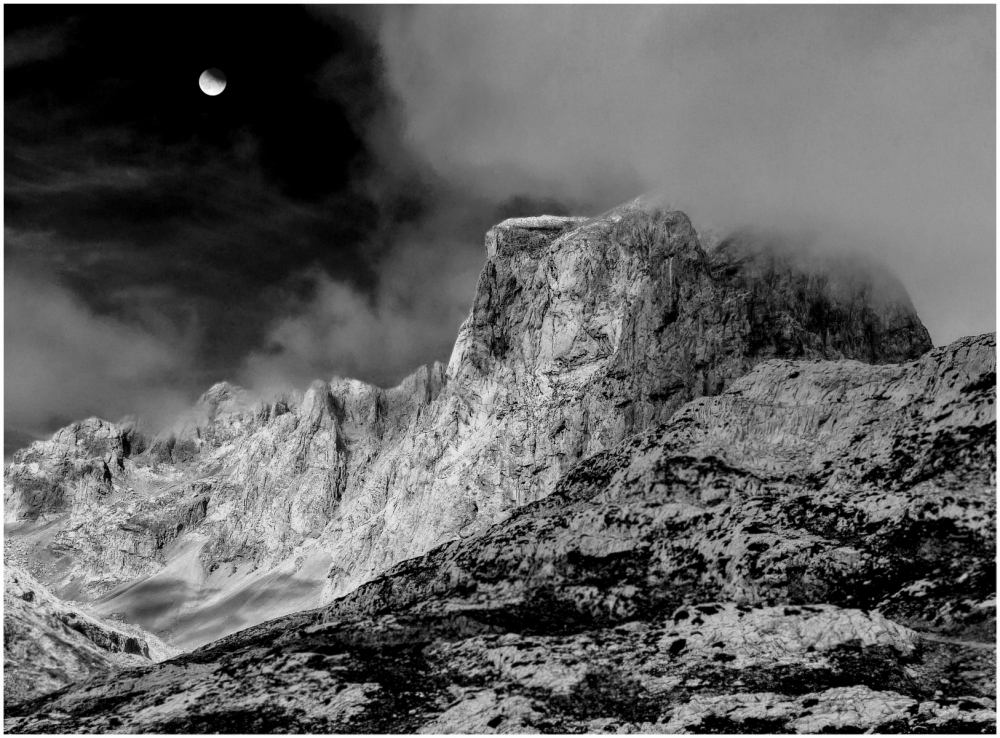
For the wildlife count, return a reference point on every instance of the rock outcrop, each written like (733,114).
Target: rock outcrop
(49,643)
(583,333)
(811,550)
(240,481)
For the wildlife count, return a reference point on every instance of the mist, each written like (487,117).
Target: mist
(874,124)
(64,363)
(872,130)
(179,247)
(424,292)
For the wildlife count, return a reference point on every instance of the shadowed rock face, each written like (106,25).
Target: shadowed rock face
(812,550)
(583,333)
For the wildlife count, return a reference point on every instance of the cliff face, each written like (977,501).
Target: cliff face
(831,482)
(812,550)
(583,332)
(51,475)
(253,475)
(49,643)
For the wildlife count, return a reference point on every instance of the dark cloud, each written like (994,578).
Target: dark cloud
(131,197)
(325,214)
(411,316)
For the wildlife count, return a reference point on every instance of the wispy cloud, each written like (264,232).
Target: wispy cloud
(32,46)
(410,317)
(64,181)
(64,362)
(879,121)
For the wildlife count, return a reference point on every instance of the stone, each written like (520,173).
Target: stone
(49,643)
(583,333)
(738,569)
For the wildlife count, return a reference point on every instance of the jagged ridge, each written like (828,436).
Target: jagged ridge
(583,332)
(730,572)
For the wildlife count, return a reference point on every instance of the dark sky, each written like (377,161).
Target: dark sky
(325,214)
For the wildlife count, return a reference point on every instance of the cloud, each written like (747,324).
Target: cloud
(411,317)
(877,122)
(33,45)
(63,362)
(865,128)
(344,236)
(63,181)
(426,266)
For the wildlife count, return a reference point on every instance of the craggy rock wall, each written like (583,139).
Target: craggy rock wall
(812,550)
(583,333)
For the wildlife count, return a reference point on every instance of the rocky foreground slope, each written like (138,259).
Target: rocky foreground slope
(583,333)
(811,550)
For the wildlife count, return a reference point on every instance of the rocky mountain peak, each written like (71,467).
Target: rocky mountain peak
(226,400)
(812,550)
(317,402)
(556,292)
(524,236)
(219,392)
(426,382)
(802,301)
(583,332)
(92,437)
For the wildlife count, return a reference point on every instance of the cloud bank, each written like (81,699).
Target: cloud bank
(55,348)
(335,226)
(877,123)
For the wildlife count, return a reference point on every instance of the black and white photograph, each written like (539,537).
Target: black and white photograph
(475,369)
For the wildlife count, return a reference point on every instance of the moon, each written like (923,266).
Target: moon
(212,81)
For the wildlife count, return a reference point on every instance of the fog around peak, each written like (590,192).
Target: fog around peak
(876,124)
(326,217)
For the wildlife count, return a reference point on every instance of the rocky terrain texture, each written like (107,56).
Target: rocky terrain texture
(811,550)
(583,333)
(49,643)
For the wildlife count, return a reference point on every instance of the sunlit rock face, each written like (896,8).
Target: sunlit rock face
(152,528)
(861,486)
(583,332)
(810,550)
(52,475)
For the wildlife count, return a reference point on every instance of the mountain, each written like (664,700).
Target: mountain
(583,333)
(812,549)
(49,643)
